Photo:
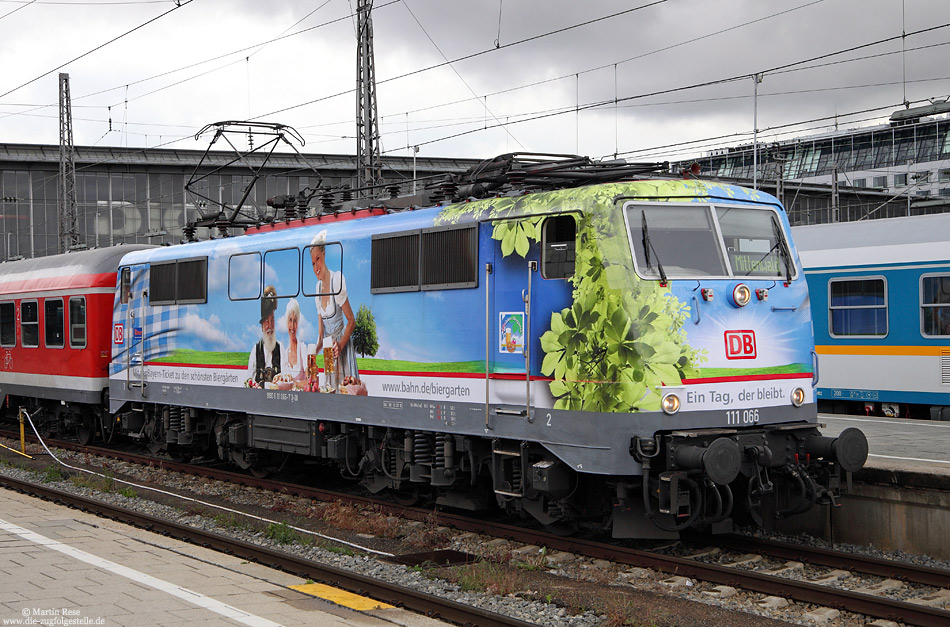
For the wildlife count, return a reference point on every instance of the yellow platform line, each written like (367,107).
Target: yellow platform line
(341,597)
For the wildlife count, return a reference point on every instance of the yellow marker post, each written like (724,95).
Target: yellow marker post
(22,433)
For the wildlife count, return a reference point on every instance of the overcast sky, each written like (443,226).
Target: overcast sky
(513,75)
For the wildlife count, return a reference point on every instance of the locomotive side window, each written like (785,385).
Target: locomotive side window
(935,305)
(77,322)
(182,281)
(192,284)
(433,259)
(330,255)
(30,323)
(558,235)
(395,263)
(7,324)
(244,276)
(125,285)
(858,307)
(54,323)
(161,283)
(449,258)
(282,270)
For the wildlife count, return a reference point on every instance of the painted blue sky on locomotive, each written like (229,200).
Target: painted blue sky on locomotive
(603,336)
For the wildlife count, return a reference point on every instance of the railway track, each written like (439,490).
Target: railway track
(799,573)
(393,594)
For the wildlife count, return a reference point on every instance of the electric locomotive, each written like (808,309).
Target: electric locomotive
(634,356)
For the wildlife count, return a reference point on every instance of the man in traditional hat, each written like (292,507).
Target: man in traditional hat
(264,361)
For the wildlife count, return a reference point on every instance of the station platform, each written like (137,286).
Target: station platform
(60,566)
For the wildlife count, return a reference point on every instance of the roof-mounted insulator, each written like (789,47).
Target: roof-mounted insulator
(189,232)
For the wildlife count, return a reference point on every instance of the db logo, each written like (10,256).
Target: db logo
(118,333)
(740,344)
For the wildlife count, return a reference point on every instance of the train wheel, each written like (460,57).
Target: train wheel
(86,431)
(260,472)
(405,498)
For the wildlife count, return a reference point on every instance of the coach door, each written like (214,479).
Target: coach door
(511,336)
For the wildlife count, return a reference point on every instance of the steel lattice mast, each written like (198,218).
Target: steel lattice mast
(68,214)
(368,162)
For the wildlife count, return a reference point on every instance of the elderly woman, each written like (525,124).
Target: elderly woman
(294,359)
(336,319)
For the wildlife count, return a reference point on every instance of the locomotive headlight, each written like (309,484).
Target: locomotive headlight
(670,403)
(798,397)
(741,295)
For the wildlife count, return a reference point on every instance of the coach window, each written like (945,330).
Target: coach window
(558,236)
(54,323)
(858,307)
(77,322)
(7,324)
(30,323)
(935,305)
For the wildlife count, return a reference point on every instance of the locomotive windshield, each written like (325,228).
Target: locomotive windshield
(699,240)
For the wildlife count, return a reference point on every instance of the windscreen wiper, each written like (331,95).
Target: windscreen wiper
(648,246)
(780,242)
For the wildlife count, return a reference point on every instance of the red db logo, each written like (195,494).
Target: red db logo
(740,344)
(118,334)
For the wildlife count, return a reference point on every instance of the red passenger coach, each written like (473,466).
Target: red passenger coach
(55,333)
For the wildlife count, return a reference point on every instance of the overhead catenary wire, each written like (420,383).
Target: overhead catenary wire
(178,5)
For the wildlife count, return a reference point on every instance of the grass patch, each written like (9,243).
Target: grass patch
(360,520)
(232,521)
(54,473)
(129,493)
(281,533)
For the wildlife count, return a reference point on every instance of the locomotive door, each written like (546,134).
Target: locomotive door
(511,339)
(133,297)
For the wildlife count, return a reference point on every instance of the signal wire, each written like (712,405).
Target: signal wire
(194,500)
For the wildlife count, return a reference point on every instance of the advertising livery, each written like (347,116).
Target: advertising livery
(527,343)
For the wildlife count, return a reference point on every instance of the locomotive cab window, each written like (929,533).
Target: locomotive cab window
(754,243)
(674,241)
(30,323)
(935,305)
(689,241)
(125,285)
(77,322)
(54,323)
(558,237)
(8,324)
(857,307)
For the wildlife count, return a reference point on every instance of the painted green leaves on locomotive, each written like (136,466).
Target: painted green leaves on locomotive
(621,338)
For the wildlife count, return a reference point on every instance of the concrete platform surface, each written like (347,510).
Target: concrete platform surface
(920,446)
(59,566)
